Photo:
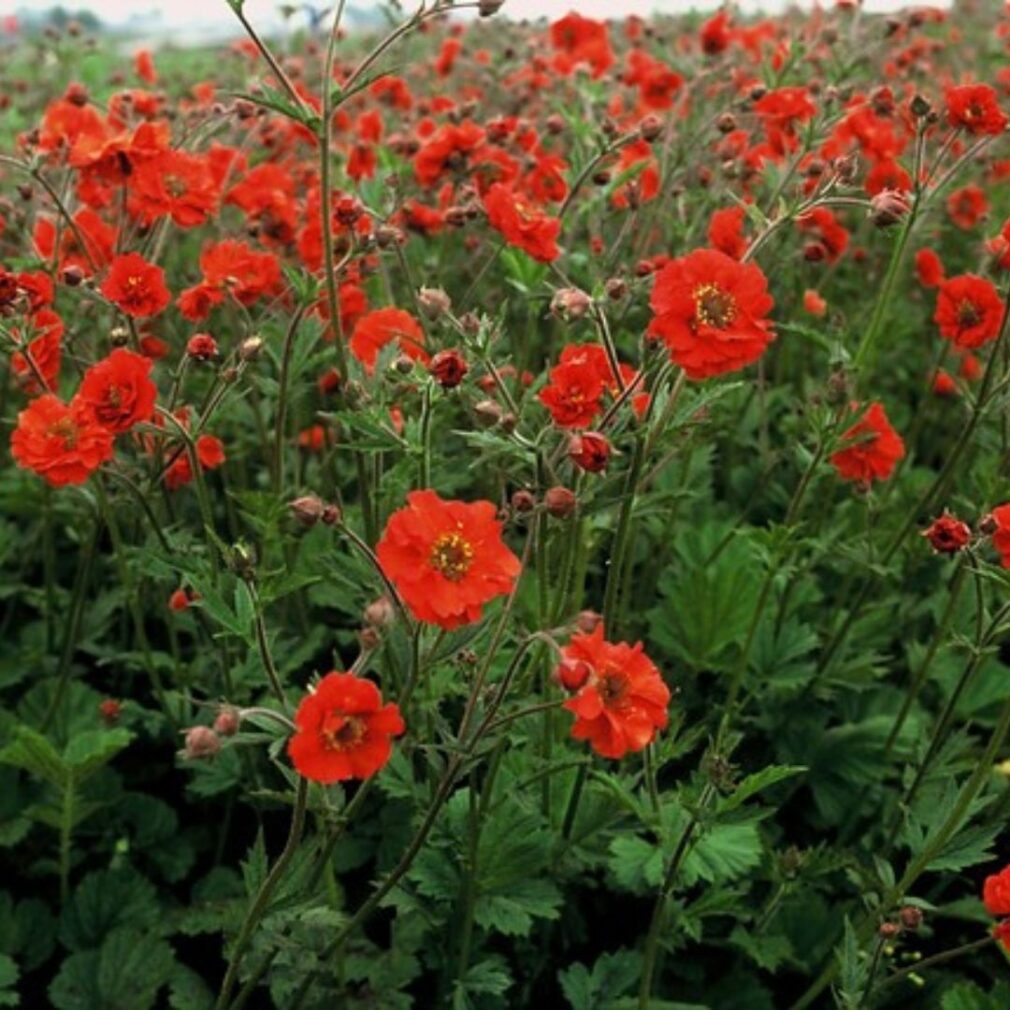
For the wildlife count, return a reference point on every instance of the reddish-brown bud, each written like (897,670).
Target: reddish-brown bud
(200,742)
(589,451)
(227,721)
(448,368)
(560,502)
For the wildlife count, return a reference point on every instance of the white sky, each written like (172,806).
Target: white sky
(186,13)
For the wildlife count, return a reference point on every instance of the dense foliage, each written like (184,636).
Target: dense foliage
(461,509)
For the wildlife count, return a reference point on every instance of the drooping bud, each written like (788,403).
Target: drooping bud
(888,207)
(202,347)
(572,674)
(523,501)
(434,301)
(379,613)
(227,721)
(948,534)
(488,413)
(587,621)
(448,368)
(589,451)
(570,303)
(308,509)
(560,502)
(110,710)
(201,742)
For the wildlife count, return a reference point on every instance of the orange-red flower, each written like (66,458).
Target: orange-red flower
(968,311)
(996,897)
(710,311)
(344,730)
(119,391)
(382,326)
(446,558)
(622,701)
(1000,519)
(975,108)
(135,286)
(521,223)
(61,442)
(870,448)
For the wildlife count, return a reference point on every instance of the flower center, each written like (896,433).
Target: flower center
(612,687)
(340,731)
(968,314)
(66,430)
(452,556)
(713,306)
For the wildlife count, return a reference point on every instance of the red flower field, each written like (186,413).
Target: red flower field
(501,515)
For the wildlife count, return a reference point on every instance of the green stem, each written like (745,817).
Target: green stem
(262,900)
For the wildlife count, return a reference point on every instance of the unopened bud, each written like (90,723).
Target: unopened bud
(523,501)
(308,510)
(379,613)
(570,303)
(201,742)
(560,502)
(448,368)
(588,621)
(488,413)
(434,301)
(250,348)
(227,721)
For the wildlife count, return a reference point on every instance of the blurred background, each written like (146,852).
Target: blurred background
(183,21)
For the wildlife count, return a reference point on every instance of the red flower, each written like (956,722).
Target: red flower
(573,395)
(623,701)
(521,223)
(929,268)
(715,34)
(45,351)
(947,534)
(589,451)
(967,206)
(446,558)
(710,312)
(1000,518)
(135,286)
(448,147)
(118,390)
(871,448)
(996,892)
(209,454)
(60,442)
(376,329)
(975,108)
(968,311)
(581,40)
(725,231)
(344,730)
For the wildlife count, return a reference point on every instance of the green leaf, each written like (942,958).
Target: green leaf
(87,752)
(126,973)
(33,753)
(612,976)
(8,980)
(104,901)
(489,977)
(753,784)
(723,853)
(513,913)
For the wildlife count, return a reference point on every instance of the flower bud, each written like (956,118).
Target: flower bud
(572,674)
(434,301)
(379,613)
(523,501)
(616,288)
(227,721)
(587,621)
(110,710)
(589,451)
(485,8)
(369,638)
(448,368)
(948,534)
(250,348)
(200,742)
(488,413)
(560,502)
(307,510)
(888,207)
(911,917)
(650,128)
(202,347)
(119,336)
(570,303)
